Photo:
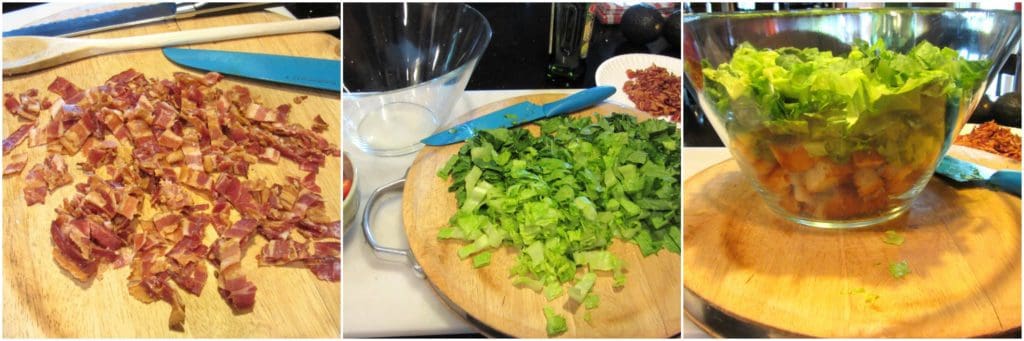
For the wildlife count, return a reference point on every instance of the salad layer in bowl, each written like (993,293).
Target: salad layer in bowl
(845,135)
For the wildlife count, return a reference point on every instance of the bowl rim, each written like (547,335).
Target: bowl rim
(688,17)
(355,180)
(471,62)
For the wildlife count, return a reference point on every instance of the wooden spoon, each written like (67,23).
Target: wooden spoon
(29,53)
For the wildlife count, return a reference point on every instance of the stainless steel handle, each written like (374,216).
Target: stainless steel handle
(381,251)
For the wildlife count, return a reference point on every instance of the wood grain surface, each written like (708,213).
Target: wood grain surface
(648,305)
(40,300)
(962,244)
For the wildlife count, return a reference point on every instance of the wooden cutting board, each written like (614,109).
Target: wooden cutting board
(42,301)
(962,244)
(648,306)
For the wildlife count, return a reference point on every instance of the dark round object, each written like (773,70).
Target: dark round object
(1006,109)
(672,29)
(983,113)
(642,24)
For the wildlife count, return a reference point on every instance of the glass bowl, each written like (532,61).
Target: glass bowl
(823,145)
(405,66)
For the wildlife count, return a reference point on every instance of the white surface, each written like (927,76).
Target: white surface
(613,71)
(385,298)
(696,159)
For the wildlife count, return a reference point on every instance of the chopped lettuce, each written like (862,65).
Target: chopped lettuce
(556,323)
(899,269)
(560,198)
(893,238)
(871,99)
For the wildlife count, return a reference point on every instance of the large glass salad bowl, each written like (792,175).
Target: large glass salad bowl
(840,117)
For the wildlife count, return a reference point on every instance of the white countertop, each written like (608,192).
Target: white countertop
(382,298)
(696,159)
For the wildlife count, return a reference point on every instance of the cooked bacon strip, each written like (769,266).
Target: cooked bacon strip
(69,92)
(270,155)
(16,137)
(15,163)
(232,284)
(236,193)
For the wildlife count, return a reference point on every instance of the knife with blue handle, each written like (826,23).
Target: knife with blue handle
(521,113)
(963,171)
(308,72)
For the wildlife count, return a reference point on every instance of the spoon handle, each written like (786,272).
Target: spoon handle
(218,34)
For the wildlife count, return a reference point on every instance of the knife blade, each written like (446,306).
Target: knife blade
(308,72)
(131,16)
(520,113)
(963,171)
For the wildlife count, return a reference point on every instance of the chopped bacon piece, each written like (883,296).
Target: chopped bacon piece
(56,172)
(69,92)
(259,113)
(16,137)
(170,140)
(35,185)
(319,125)
(168,135)
(15,163)
(172,196)
(299,99)
(270,155)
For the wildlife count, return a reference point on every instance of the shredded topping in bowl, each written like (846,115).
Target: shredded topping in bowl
(992,138)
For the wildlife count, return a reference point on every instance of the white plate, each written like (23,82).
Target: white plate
(613,72)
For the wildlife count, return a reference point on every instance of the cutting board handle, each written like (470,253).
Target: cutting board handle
(384,252)
(213,34)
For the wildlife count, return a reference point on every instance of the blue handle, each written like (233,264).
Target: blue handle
(1007,180)
(578,101)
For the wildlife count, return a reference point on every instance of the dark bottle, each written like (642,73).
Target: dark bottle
(569,39)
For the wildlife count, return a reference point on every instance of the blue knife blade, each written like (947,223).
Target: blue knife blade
(308,72)
(520,113)
(963,171)
(88,23)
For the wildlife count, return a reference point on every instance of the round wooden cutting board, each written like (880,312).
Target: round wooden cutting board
(648,305)
(962,244)
(41,300)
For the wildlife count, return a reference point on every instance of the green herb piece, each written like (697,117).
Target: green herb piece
(556,323)
(893,238)
(586,316)
(482,259)
(899,269)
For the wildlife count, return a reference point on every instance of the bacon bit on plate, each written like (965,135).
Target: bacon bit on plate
(299,99)
(169,140)
(655,91)
(992,138)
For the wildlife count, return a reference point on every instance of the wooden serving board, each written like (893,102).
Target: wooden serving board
(40,300)
(962,244)
(648,306)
